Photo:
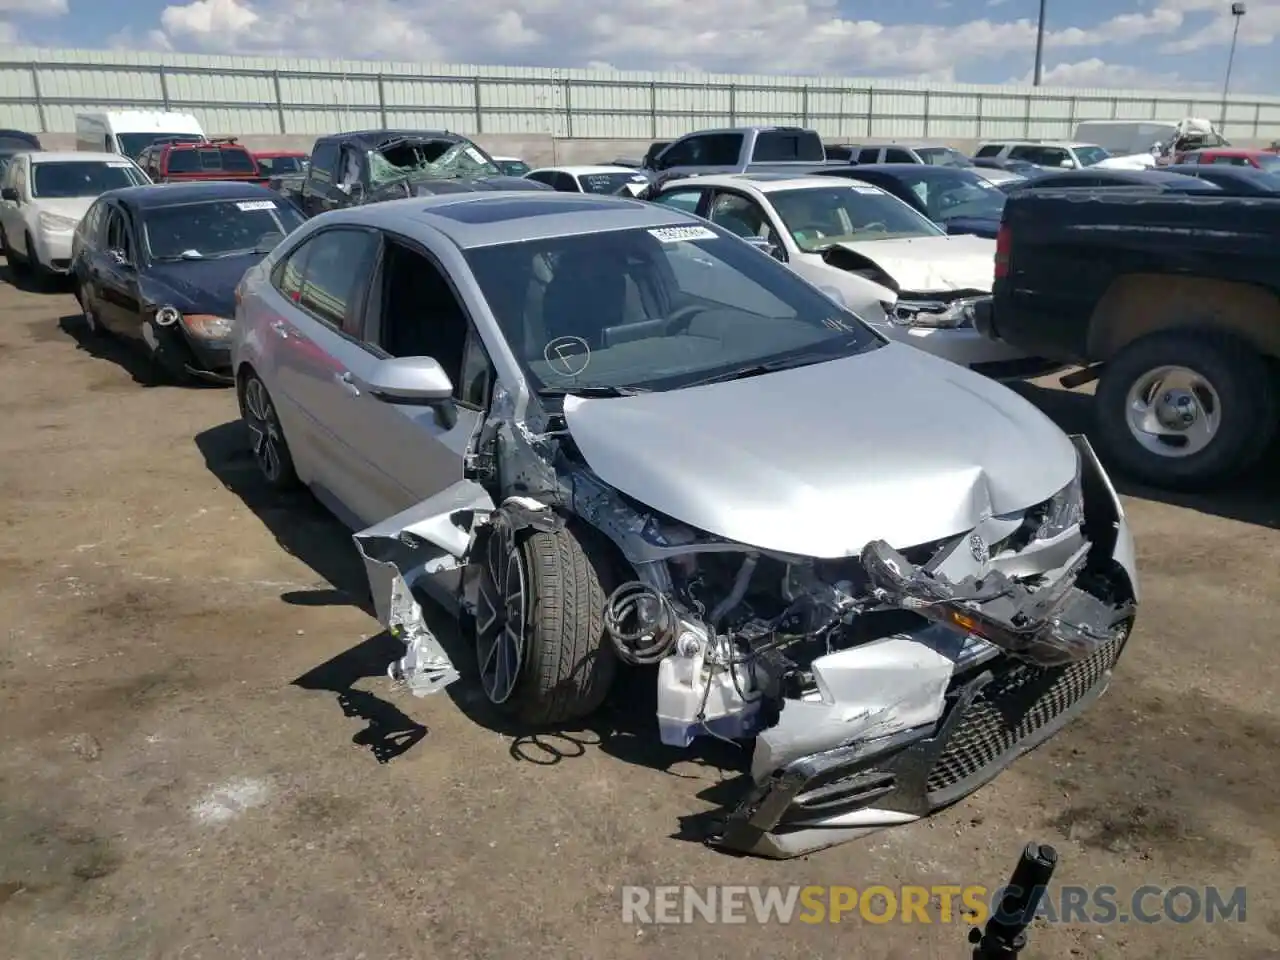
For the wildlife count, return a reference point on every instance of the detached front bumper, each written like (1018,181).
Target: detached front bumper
(834,769)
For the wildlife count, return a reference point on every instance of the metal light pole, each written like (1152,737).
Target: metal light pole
(1039,71)
(1237,11)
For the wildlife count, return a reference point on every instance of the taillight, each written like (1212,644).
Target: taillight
(1003,243)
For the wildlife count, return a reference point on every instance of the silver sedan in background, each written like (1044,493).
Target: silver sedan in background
(604,431)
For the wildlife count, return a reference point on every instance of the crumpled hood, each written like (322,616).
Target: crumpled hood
(933,264)
(891,444)
(198,286)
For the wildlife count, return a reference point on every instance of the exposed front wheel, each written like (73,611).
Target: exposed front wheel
(266,437)
(1183,409)
(541,647)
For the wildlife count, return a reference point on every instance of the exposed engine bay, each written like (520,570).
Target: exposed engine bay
(877,687)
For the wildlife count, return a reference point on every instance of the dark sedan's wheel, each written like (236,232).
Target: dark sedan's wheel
(270,450)
(87,309)
(540,642)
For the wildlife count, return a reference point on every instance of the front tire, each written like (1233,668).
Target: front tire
(541,647)
(1185,409)
(267,442)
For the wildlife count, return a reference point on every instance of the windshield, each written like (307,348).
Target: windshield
(820,217)
(277,166)
(943,157)
(209,229)
(655,309)
(1088,156)
(436,159)
(132,144)
(512,168)
(951,194)
(83,178)
(609,182)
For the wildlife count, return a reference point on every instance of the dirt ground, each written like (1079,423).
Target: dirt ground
(200,757)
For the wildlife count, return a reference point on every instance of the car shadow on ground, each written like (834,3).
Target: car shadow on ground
(28,282)
(121,353)
(625,727)
(1250,498)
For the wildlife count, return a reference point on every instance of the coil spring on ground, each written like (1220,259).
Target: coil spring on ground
(637,613)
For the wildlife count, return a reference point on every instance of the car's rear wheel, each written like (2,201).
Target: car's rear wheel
(85,296)
(1185,409)
(270,451)
(541,647)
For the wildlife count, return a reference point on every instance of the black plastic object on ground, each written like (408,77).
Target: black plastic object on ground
(1005,934)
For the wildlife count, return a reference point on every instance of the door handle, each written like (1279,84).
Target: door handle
(281,329)
(348,383)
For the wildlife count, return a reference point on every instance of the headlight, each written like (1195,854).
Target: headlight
(1064,510)
(54,223)
(206,326)
(945,315)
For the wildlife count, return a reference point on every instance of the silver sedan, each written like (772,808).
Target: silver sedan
(605,432)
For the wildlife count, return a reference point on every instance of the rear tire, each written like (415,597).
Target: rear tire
(267,443)
(1239,391)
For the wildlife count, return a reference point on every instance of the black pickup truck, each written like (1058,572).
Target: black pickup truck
(371,165)
(1172,303)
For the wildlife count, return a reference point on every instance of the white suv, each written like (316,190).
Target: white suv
(1070,156)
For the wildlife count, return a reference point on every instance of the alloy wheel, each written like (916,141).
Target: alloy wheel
(1173,411)
(264,429)
(501,614)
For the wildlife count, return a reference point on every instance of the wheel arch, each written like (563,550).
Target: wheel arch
(1137,305)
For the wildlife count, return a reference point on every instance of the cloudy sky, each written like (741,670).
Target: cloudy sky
(1102,43)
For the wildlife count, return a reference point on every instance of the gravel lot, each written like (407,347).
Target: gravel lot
(199,756)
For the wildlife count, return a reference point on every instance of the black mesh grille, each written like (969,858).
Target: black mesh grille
(1012,707)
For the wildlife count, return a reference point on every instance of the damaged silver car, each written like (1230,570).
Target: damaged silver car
(606,433)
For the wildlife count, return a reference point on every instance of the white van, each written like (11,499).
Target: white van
(129,132)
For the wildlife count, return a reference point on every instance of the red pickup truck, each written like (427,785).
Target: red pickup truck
(220,158)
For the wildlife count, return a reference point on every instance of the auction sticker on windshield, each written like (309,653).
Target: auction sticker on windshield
(257,205)
(681,234)
(119,163)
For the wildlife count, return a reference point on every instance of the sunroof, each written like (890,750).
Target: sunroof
(496,211)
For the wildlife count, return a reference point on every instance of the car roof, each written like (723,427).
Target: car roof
(1133,176)
(483,219)
(1234,151)
(582,171)
(150,196)
(760,182)
(1073,144)
(69,156)
(376,136)
(914,170)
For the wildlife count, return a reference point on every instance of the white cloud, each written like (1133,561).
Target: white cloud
(801,36)
(730,36)
(34,8)
(1095,72)
(1259,27)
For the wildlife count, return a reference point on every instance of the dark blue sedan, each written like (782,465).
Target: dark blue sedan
(958,200)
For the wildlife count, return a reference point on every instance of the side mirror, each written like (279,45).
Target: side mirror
(9,193)
(356,192)
(1067,164)
(417,381)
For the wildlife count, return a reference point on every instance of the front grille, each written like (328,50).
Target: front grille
(1011,709)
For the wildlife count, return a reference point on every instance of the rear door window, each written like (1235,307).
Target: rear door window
(990,150)
(782,146)
(336,275)
(898,155)
(869,155)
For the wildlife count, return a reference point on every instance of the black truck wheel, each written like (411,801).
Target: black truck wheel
(1183,409)
(541,647)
